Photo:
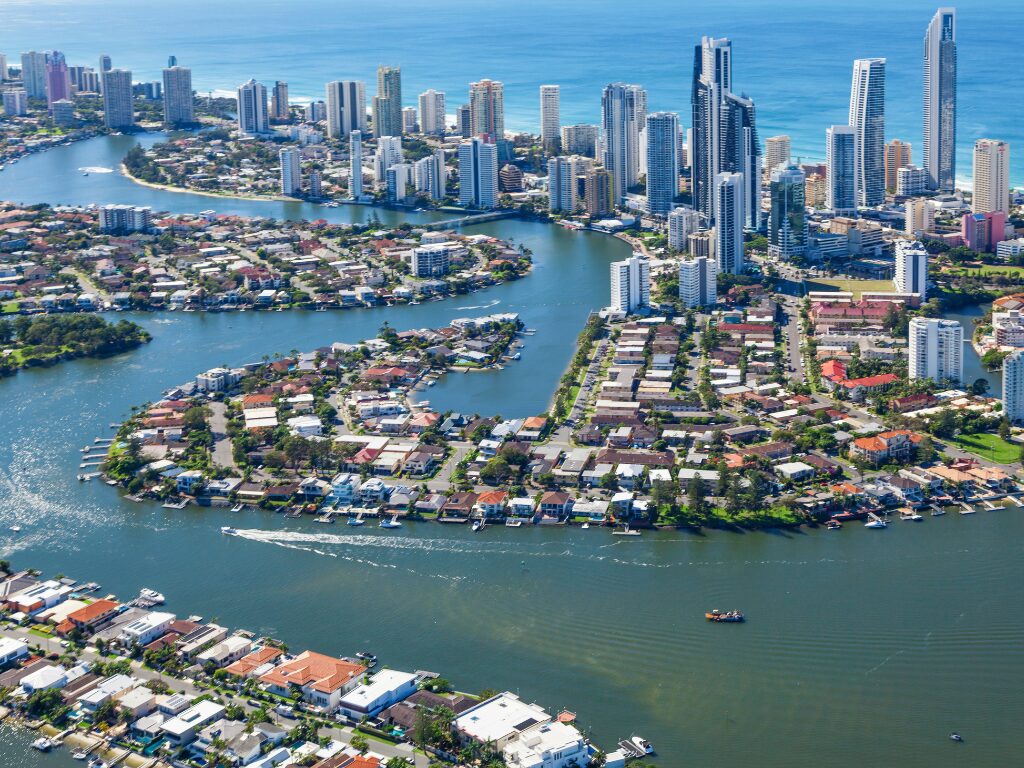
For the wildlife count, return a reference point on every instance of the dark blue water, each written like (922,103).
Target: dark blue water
(793,57)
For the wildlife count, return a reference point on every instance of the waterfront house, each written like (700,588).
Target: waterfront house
(385,688)
(235,741)
(106,690)
(182,729)
(146,628)
(256,663)
(225,652)
(555,504)
(498,720)
(551,744)
(322,680)
(459,506)
(521,506)
(894,445)
(200,638)
(491,503)
(189,482)
(430,503)
(794,471)
(138,702)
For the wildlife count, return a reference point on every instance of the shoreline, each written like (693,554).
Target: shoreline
(223,195)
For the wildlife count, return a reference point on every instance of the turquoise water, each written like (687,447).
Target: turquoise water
(793,57)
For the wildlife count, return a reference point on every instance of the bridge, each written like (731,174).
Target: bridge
(465,221)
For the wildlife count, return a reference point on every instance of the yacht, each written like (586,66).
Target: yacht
(478,525)
(357,520)
(43,744)
(392,523)
(585,526)
(876,523)
(643,745)
(152,596)
(79,755)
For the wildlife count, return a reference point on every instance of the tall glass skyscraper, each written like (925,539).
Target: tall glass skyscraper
(623,111)
(662,133)
(867,116)
(940,100)
(787,230)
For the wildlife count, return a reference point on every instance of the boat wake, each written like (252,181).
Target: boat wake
(96,169)
(492,303)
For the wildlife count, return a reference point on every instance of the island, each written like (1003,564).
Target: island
(44,340)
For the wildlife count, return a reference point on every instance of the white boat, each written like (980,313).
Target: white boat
(585,526)
(877,523)
(79,755)
(643,745)
(15,528)
(513,522)
(478,525)
(152,596)
(392,523)
(42,744)
(227,530)
(357,520)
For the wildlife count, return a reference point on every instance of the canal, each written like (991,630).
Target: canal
(860,646)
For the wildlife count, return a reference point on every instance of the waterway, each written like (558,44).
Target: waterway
(861,645)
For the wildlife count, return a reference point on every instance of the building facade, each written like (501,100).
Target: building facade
(550,118)
(630,284)
(991,176)
(478,174)
(178,108)
(898,154)
(911,268)
(387,104)
(841,174)
(118,102)
(682,222)
(290,171)
(867,116)
(787,222)
(698,282)
(252,108)
(623,111)
(940,100)
(487,109)
(432,114)
(346,108)
(936,349)
(662,135)
(1013,386)
(729,222)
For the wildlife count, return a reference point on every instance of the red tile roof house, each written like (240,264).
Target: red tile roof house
(555,504)
(323,680)
(858,389)
(896,445)
(492,503)
(88,618)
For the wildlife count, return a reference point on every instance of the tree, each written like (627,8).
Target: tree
(980,387)
(359,743)
(1004,429)
(609,482)
(495,471)
(696,497)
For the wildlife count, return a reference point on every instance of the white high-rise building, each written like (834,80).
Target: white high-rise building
(432,115)
(867,116)
(623,111)
(397,179)
(920,217)
(279,106)
(116,218)
(630,284)
(682,222)
(346,107)
(355,178)
(3,67)
(118,101)
(991,176)
(430,260)
(409,122)
(291,171)
(15,102)
(940,100)
(252,108)
(936,349)
(478,174)
(563,189)
(580,140)
(33,74)
(389,152)
(430,175)
(1013,386)
(178,96)
(698,282)
(550,120)
(911,268)
(662,134)
(776,152)
(729,222)
(841,175)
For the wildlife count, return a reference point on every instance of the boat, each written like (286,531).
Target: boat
(478,525)
(152,596)
(15,528)
(227,530)
(85,174)
(585,526)
(357,520)
(954,736)
(392,523)
(833,525)
(643,745)
(237,508)
(79,755)
(513,522)
(367,656)
(876,523)
(43,744)
(909,514)
(729,617)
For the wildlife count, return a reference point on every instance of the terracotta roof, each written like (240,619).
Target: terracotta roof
(872,381)
(93,611)
(491,497)
(245,665)
(315,670)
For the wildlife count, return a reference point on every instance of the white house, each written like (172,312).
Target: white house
(145,629)
(182,730)
(498,720)
(387,687)
(11,650)
(547,745)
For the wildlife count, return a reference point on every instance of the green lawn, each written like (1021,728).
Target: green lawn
(987,269)
(9,308)
(856,286)
(989,446)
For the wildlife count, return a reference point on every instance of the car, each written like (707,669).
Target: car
(285,711)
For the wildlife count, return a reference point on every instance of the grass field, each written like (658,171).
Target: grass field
(988,446)
(856,286)
(987,269)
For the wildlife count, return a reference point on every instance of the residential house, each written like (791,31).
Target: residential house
(322,680)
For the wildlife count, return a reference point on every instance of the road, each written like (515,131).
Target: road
(443,479)
(793,347)
(223,455)
(341,733)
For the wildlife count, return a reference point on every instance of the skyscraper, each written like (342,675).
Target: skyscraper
(920,217)
(58,79)
(698,282)
(597,192)
(387,104)
(487,109)
(898,154)
(623,111)
(104,66)
(911,268)
(991,176)
(178,96)
(291,171)
(430,175)
(15,102)
(409,121)
(432,116)
(562,183)
(936,349)
(940,100)
(355,179)
(118,101)
(682,222)
(580,140)
(33,74)
(724,134)
(776,152)
(346,108)
(867,116)
(550,120)
(279,101)
(3,67)
(630,284)
(788,228)
(840,165)
(1013,386)
(464,121)
(389,152)
(252,108)
(478,174)
(728,216)
(662,133)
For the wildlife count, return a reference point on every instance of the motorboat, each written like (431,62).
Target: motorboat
(954,736)
(367,656)
(478,525)
(227,530)
(833,525)
(727,617)
(513,522)
(876,523)
(43,744)
(357,520)
(642,744)
(152,596)
(585,526)
(15,528)
(392,523)
(79,755)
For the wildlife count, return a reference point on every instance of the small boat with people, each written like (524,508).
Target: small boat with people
(728,617)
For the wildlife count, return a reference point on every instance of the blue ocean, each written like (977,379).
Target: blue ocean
(793,57)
